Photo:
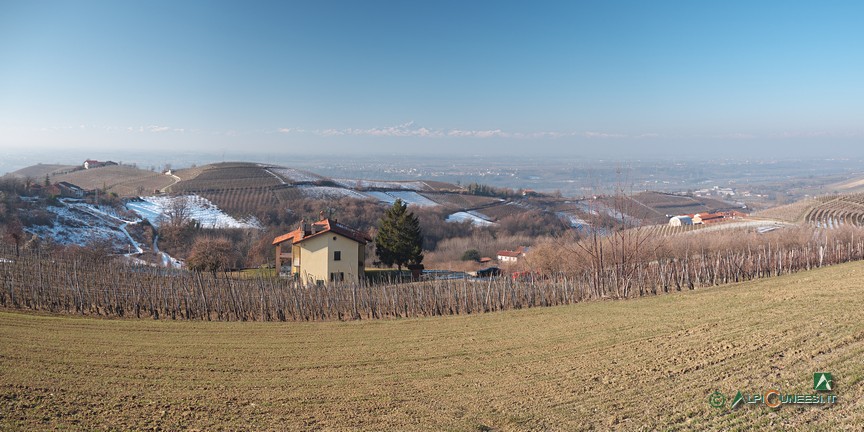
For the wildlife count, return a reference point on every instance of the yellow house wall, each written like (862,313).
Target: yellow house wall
(316,258)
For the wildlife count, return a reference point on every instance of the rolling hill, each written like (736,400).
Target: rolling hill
(39,171)
(645,364)
(124,180)
(242,189)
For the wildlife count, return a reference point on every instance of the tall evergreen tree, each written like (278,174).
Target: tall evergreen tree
(399,240)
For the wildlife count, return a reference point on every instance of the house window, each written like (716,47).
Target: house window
(337,255)
(337,277)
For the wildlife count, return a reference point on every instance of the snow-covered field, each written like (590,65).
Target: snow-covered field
(408,197)
(475,218)
(330,192)
(201,210)
(413,198)
(574,221)
(381,184)
(381,196)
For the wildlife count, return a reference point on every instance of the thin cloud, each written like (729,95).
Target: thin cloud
(410,129)
(152,129)
(603,135)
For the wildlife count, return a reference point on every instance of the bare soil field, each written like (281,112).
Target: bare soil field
(645,364)
(123,180)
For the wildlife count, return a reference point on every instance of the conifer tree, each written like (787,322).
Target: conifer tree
(399,240)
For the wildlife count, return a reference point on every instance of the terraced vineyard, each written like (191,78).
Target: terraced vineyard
(228,176)
(242,201)
(832,211)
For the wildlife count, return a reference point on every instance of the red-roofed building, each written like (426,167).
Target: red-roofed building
(508,256)
(90,163)
(324,251)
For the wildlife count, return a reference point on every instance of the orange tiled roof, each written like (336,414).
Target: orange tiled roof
(323,226)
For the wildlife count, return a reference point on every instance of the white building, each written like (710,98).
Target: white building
(680,221)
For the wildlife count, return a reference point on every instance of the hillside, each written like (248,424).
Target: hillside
(645,364)
(854,185)
(246,189)
(654,206)
(124,180)
(829,211)
(39,171)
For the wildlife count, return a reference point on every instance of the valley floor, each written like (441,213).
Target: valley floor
(641,364)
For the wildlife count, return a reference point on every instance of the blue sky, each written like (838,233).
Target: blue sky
(607,78)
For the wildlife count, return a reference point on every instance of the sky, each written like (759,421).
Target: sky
(600,78)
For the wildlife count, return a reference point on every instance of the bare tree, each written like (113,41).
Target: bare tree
(212,254)
(15,232)
(178,212)
(176,226)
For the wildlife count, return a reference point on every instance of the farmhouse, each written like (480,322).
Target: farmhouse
(707,218)
(90,163)
(325,251)
(511,256)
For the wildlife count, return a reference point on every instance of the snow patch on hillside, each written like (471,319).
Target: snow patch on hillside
(413,198)
(477,219)
(408,197)
(294,175)
(324,192)
(81,224)
(201,210)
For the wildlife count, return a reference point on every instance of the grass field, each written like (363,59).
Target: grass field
(643,364)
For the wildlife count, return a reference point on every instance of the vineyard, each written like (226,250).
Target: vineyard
(73,286)
(647,364)
(832,211)
(228,176)
(666,230)
(242,201)
(794,212)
